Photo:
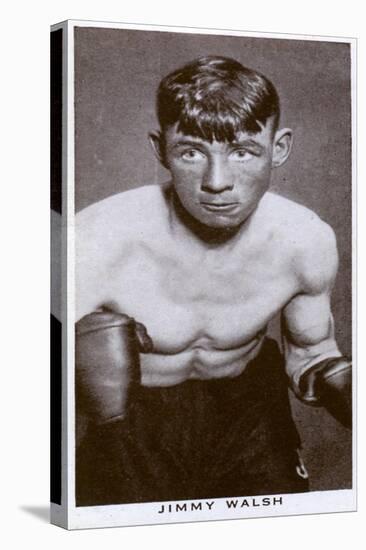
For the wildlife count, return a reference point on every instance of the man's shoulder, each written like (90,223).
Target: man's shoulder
(108,228)
(309,241)
(123,213)
(301,225)
(124,206)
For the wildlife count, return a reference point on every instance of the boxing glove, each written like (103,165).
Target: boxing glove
(329,384)
(107,347)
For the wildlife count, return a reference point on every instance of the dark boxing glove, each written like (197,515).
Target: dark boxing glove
(329,384)
(107,347)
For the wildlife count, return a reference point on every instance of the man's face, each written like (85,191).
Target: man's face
(220,183)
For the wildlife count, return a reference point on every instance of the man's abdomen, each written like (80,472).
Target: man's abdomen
(200,361)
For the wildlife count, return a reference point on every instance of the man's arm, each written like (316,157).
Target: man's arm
(318,373)
(90,273)
(107,343)
(308,334)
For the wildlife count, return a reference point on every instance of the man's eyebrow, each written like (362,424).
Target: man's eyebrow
(190,142)
(247,143)
(184,142)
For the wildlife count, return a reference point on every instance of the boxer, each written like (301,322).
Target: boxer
(197,406)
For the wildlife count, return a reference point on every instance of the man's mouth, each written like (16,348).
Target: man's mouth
(219,206)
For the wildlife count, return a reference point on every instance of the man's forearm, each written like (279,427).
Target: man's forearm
(321,376)
(300,358)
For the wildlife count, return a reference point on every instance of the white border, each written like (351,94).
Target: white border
(201,30)
(247,507)
(146,513)
(354,260)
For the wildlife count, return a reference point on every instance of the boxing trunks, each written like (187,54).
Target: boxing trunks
(197,440)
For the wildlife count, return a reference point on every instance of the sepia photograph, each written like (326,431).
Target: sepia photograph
(213,334)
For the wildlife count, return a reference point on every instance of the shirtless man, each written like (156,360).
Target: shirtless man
(203,263)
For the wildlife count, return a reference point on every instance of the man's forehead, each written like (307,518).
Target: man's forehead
(174,135)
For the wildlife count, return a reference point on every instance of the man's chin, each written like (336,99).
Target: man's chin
(218,230)
(215,226)
(225,223)
(221,224)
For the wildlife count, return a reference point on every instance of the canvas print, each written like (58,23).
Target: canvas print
(205,183)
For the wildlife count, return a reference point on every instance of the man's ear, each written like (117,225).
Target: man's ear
(157,143)
(282,144)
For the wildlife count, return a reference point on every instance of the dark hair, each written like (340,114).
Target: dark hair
(215,98)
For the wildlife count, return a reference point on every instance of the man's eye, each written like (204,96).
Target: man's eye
(192,155)
(241,154)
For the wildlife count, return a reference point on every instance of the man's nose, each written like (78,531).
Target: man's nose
(217,178)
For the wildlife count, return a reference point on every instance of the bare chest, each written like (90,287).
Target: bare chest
(186,302)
